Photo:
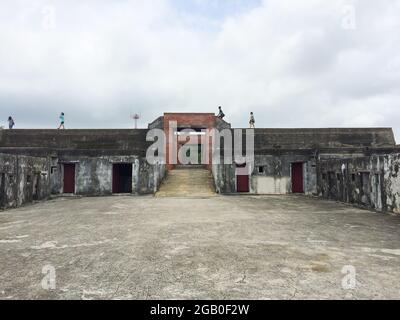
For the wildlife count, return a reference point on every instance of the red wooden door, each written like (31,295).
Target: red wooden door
(242,182)
(69,178)
(297,178)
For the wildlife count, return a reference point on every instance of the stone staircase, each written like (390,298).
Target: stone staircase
(187,181)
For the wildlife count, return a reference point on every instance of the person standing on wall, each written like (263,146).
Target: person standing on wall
(252,121)
(221,114)
(62,120)
(11,122)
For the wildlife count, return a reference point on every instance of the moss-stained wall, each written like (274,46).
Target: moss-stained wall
(272,173)
(93,176)
(224,178)
(392,182)
(274,177)
(371,182)
(23,179)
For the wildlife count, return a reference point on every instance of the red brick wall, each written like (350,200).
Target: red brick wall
(188,120)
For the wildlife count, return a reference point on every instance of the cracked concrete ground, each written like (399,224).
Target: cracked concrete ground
(225,247)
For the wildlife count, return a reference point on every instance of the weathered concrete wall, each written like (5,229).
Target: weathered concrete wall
(93,175)
(149,177)
(224,178)
(157,123)
(88,141)
(94,152)
(56,175)
(23,179)
(274,177)
(392,182)
(8,181)
(190,119)
(371,182)
(323,138)
(276,149)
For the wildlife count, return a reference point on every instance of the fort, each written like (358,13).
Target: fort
(113,225)
(354,165)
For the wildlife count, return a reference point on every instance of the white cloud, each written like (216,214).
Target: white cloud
(290,62)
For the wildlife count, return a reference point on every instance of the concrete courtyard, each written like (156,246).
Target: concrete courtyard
(223,247)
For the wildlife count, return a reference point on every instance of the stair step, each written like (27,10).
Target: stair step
(188,181)
(189,166)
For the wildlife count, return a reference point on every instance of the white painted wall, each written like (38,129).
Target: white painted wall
(270,185)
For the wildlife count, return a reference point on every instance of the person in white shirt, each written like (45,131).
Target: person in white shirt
(252,121)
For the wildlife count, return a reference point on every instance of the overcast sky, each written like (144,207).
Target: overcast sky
(307,63)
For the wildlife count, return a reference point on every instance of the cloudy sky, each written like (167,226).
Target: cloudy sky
(294,63)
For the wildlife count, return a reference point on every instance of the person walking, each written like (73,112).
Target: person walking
(252,121)
(62,120)
(221,114)
(11,122)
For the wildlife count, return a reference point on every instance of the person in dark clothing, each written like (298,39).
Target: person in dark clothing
(221,114)
(252,121)
(11,122)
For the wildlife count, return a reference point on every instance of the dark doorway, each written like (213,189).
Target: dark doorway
(332,184)
(242,179)
(122,178)
(197,158)
(297,178)
(69,178)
